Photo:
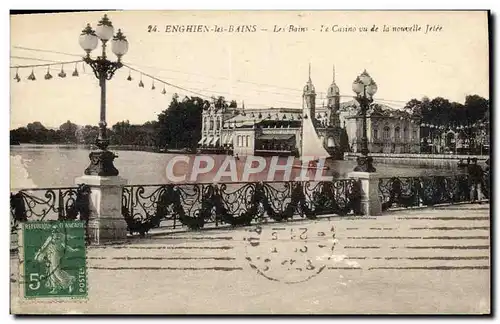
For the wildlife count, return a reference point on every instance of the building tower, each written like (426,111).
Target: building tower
(333,96)
(309,98)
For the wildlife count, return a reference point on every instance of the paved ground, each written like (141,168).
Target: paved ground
(411,261)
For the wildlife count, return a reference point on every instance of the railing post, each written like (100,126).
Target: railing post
(106,222)
(61,213)
(370,200)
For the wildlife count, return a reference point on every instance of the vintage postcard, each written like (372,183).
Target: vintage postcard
(250,162)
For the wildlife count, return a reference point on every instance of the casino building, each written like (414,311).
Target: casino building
(277,131)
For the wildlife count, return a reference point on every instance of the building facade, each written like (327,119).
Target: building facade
(389,130)
(277,131)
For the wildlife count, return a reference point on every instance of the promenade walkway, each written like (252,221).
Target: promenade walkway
(432,260)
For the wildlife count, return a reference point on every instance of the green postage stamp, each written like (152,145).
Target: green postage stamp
(53,260)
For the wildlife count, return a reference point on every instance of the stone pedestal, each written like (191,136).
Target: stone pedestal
(106,222)
(370,201)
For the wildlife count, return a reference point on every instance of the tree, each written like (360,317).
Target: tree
(440,111)
(35,127)
(121,133)
(68,132)
(180,125)
(87,134)
(476,107)
(38,132)
(413,106)
(20,135)
(233,104)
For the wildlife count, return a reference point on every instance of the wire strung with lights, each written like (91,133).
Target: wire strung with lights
(48,75)
(204,93)
(164,83)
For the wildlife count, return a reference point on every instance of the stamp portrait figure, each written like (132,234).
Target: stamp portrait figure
(50,254)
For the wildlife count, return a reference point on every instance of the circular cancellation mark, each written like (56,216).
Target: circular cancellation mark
(290,254)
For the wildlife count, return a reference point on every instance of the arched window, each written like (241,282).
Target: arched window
(238,140)
(415,135)
(397,135)
(405,134)
(247,139)
(211,124)
(375,133)
(387,133)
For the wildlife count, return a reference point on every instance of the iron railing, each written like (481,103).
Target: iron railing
(63,204)
(407,192)
(194,206)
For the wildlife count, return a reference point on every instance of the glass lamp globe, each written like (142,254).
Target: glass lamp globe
(365,78)
(88,40)
(372,88)
(119,44)
(357,86)
(105,29)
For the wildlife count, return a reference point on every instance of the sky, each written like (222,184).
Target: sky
(262,68)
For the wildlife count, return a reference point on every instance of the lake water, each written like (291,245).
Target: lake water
(35,166)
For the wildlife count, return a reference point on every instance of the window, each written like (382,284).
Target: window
(211,124)
(375,134)
(238,140)
(387,133)
(397,135)
(247,138)
(415,135)
(405,134)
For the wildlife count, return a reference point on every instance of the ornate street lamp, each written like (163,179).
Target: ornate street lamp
(365,88)
(101,161)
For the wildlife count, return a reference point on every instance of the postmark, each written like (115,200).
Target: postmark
(292,253)
(53,260)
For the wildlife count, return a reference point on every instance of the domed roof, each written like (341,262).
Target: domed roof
(333,89)
(309,87)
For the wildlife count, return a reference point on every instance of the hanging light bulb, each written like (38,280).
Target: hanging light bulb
(129,76)
(153,85)
(75,72)
(62,74)
(17,78)
(48,76)
(141,85)
(163,91)
(32,75)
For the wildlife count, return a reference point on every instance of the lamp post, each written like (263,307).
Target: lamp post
(365,88)
(431,136)
(101,161)
(482,135)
